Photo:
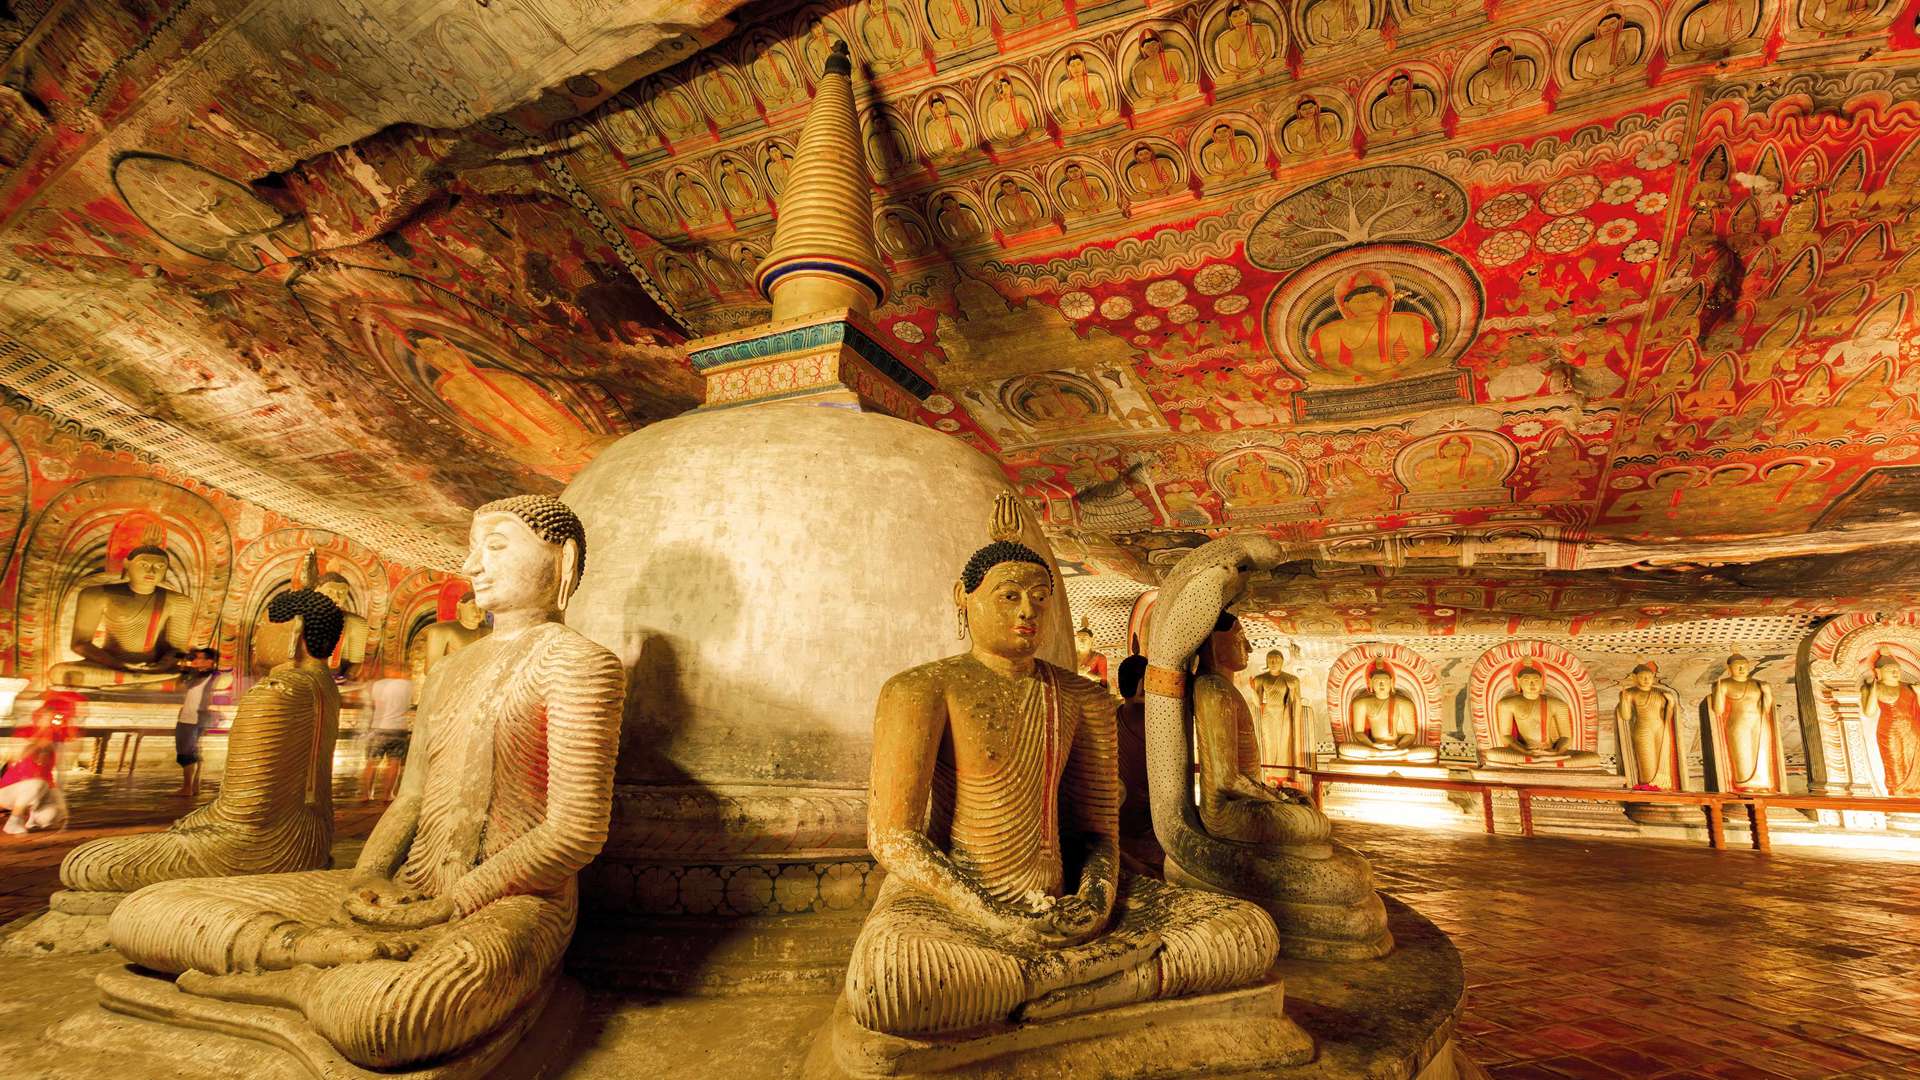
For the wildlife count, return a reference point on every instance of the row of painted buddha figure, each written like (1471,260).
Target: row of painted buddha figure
(134,633)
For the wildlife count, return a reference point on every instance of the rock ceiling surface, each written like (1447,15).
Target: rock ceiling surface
(1494,305)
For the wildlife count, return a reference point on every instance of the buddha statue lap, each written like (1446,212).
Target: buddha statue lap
(1384,725)
(1538,729)
(127,633)
(441,941)
(1006,904)
(274,812)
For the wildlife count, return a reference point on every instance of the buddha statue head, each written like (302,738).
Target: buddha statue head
(1380,680)
(1002,596)
(525,554)
(1643,677)
(467,612)
(335,587)
(1739,667)
(146,569)
(299,624)
(1276,662)
(1226,648)
(1530,682)
(1083,639)
(1887,672)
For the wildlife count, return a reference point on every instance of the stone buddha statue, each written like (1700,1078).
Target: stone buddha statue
(351,653)
(1235,802)
(274,813)
(1648,716)
(1383,724)
(447,637)
(1005,900)
(446,936)
(1535,728)
(128,632)
(1279,725)
(1742,708)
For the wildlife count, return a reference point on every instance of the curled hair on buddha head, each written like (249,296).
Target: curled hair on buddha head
(148,549)
(1004,526)
(320,619)
(550,519)
(1526,670)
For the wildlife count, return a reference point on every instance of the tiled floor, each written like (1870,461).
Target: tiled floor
(1584,959)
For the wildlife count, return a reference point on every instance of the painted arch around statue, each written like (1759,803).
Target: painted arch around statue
(1843,750)
(1492,678)
(71,546)
(1412,673)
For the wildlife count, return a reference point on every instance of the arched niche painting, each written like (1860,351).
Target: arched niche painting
(84,551)
(1414,678)
(1456,468)
(1566,683)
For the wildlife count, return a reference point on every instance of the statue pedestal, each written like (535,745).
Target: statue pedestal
(1392,805)
(1237,1031)
(75,922)
(150,1016)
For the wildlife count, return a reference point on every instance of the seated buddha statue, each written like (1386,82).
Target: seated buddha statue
(1534,728)
(274,813)
(1235,803)
(449,636)
(1006,901)
(128,632)
(351,652)
(1383,724)
(453,921)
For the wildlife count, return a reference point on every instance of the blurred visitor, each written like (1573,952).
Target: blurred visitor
(387,735)
(199,667)
(29,787)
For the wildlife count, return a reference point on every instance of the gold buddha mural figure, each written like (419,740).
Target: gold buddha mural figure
(1383,724)
(128,633)
(979,920)
(1280,728)
(1370,340)
(274,812)
(1649,715)
(1535,728)
(1311,131)
(1247,46)
(1082,97)
(454,918)
(1158,73)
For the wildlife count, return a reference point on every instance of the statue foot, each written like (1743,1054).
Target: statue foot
(283,989)
(1138,983)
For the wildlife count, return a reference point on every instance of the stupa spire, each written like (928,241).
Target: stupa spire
(823,255)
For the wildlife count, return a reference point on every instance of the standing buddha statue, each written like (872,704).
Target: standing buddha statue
(1895,710)
(1279,728)
(1648,716)
(1742,708)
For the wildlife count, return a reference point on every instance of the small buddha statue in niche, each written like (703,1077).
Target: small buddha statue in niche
(1279,724)
(1894,708)
(274,812)
(1648,714)
(456,915)
(351,653)
(1235,802)
(1742,706)
(128,632)
(447,637)
(1091,662)
(1537,728)
(1383,724)
(979,920)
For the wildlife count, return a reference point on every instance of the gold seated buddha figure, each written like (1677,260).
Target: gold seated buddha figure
(1383,724)
(441,942)
(1537,729)
(1006,904)
(274,812)
(128,633)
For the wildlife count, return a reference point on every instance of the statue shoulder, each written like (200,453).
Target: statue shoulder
(1072,682)
(1213,688)
(571,647)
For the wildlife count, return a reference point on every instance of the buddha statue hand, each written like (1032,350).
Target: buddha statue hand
(379,902)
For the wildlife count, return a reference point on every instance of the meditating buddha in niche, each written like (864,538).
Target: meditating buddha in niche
(1893,707)
(1743,707)
(1532,727)
(1649,715)
(128,632)
(1235,801)
(455,917)
(274,813)
(1383,724)
(351,652)
(980,919)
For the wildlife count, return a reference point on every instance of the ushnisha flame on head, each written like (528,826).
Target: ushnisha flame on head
(1004,527)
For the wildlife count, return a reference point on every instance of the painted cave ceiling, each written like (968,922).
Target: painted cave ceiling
(1585,310)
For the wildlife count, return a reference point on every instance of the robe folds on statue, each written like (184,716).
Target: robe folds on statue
(1004,829)
(274,813)
(512,771)
(1898,740)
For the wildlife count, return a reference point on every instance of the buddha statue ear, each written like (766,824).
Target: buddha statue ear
(569,572)
(297,647)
